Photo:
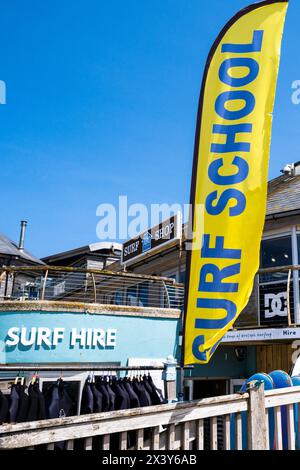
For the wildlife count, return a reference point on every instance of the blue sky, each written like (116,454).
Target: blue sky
(101,102)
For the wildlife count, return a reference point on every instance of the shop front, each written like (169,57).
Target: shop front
(75,345)
(68,337)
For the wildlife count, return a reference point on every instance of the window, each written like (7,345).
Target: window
(276,252)
(273,287)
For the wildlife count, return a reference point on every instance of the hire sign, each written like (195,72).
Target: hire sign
(37,337)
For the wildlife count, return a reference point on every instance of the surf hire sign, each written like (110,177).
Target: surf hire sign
(230,174)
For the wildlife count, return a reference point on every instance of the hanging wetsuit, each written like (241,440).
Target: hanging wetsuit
(155,394)
(148,389)
(141,392)
(59,404)
(14,404)
(3,408)
(134,399)
(98,399)
(52,402)
(122,401)
(87,400)
(100,385)
(112,397)
(66,402)
(36,408)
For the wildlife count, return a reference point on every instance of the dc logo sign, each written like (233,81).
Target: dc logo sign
(276,305)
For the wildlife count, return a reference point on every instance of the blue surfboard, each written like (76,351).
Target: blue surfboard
(282,379)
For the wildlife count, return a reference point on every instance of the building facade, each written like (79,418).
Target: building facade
(266,336)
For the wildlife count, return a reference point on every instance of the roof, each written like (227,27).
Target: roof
(104,248)
(9,248)
(283,194)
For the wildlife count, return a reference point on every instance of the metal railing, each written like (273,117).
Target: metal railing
(67,284)
(274,299)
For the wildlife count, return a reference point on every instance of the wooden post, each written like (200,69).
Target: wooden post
(169,377)
(257,426)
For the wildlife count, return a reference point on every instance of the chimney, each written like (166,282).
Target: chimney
(291,169)
(22,234)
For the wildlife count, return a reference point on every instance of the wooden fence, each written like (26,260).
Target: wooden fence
(254,420)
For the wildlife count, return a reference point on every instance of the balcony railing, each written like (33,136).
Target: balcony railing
(67,284)
(274,300)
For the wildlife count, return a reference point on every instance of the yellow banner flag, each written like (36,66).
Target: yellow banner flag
(230,172)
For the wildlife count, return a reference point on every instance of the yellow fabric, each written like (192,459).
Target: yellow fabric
(243,231)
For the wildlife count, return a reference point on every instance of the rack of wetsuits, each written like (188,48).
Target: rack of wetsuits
(29,403)
(101,393)
(109,393)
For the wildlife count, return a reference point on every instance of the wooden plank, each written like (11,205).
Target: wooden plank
(88,443)
(261,359)
(238,432)
(176,409)
(289,356)
(291,427)
(269,353)
(123,440)
(281,357)
(185,440)
(284,358)
(119,421)
(283,391)
(155,438)
(140,439)
(170,437)
(227,432)
(267,429)
(200,434)
(193,432)
(178,434)
(70,445)
(213,434)
(278,428)
(277,363)
(105,445)
(282,399)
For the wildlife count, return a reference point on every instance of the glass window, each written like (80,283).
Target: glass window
(276,252)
